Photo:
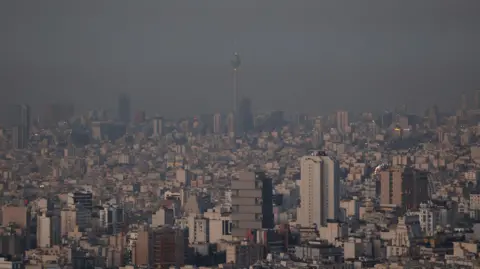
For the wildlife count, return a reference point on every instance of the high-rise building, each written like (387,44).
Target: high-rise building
(18,137)
(85,198)
(404,187)
(124,108)
(245,116)
(140,253)
(113,218)
(25,117)
(342,121)
(252,204)
(82,201)
(217,123)
(19,121)
(157,123)
(319,190)
(167,247)
(68,220)
(43,231)
(55,228)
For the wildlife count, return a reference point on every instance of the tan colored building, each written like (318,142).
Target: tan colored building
(14,214)
(140,255)
(43,232)
(343,124)
(404,187)
(68,221)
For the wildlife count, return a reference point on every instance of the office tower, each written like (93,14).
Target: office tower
(404,187)
(252,205)
(25,117)
(124,108)
(55,228)
(319,190)
(82,201)
(342,121)
(18,137)
(112,218)
(84,198)
(217,123)
(83,217)
(157,123)
(245,116)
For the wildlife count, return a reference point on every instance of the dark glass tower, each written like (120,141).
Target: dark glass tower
(245,122)
(124,108)
(20,126)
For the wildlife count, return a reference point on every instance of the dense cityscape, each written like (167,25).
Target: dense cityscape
(240,189)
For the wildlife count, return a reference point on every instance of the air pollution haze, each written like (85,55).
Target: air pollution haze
(173,57)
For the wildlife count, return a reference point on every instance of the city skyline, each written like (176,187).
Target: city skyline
(333,135)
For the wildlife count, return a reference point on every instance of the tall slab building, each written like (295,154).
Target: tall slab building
(319,190)
(252,204)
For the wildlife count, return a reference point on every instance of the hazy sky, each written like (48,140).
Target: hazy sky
(173,56)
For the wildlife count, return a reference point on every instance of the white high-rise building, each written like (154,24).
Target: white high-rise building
(319,190)
(43,231)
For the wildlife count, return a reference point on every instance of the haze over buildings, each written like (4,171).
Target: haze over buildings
(311,56)
(133,138)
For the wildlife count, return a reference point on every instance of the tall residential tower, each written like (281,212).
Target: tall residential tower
(319,190)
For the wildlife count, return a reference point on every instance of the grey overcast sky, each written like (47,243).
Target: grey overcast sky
(173,56)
